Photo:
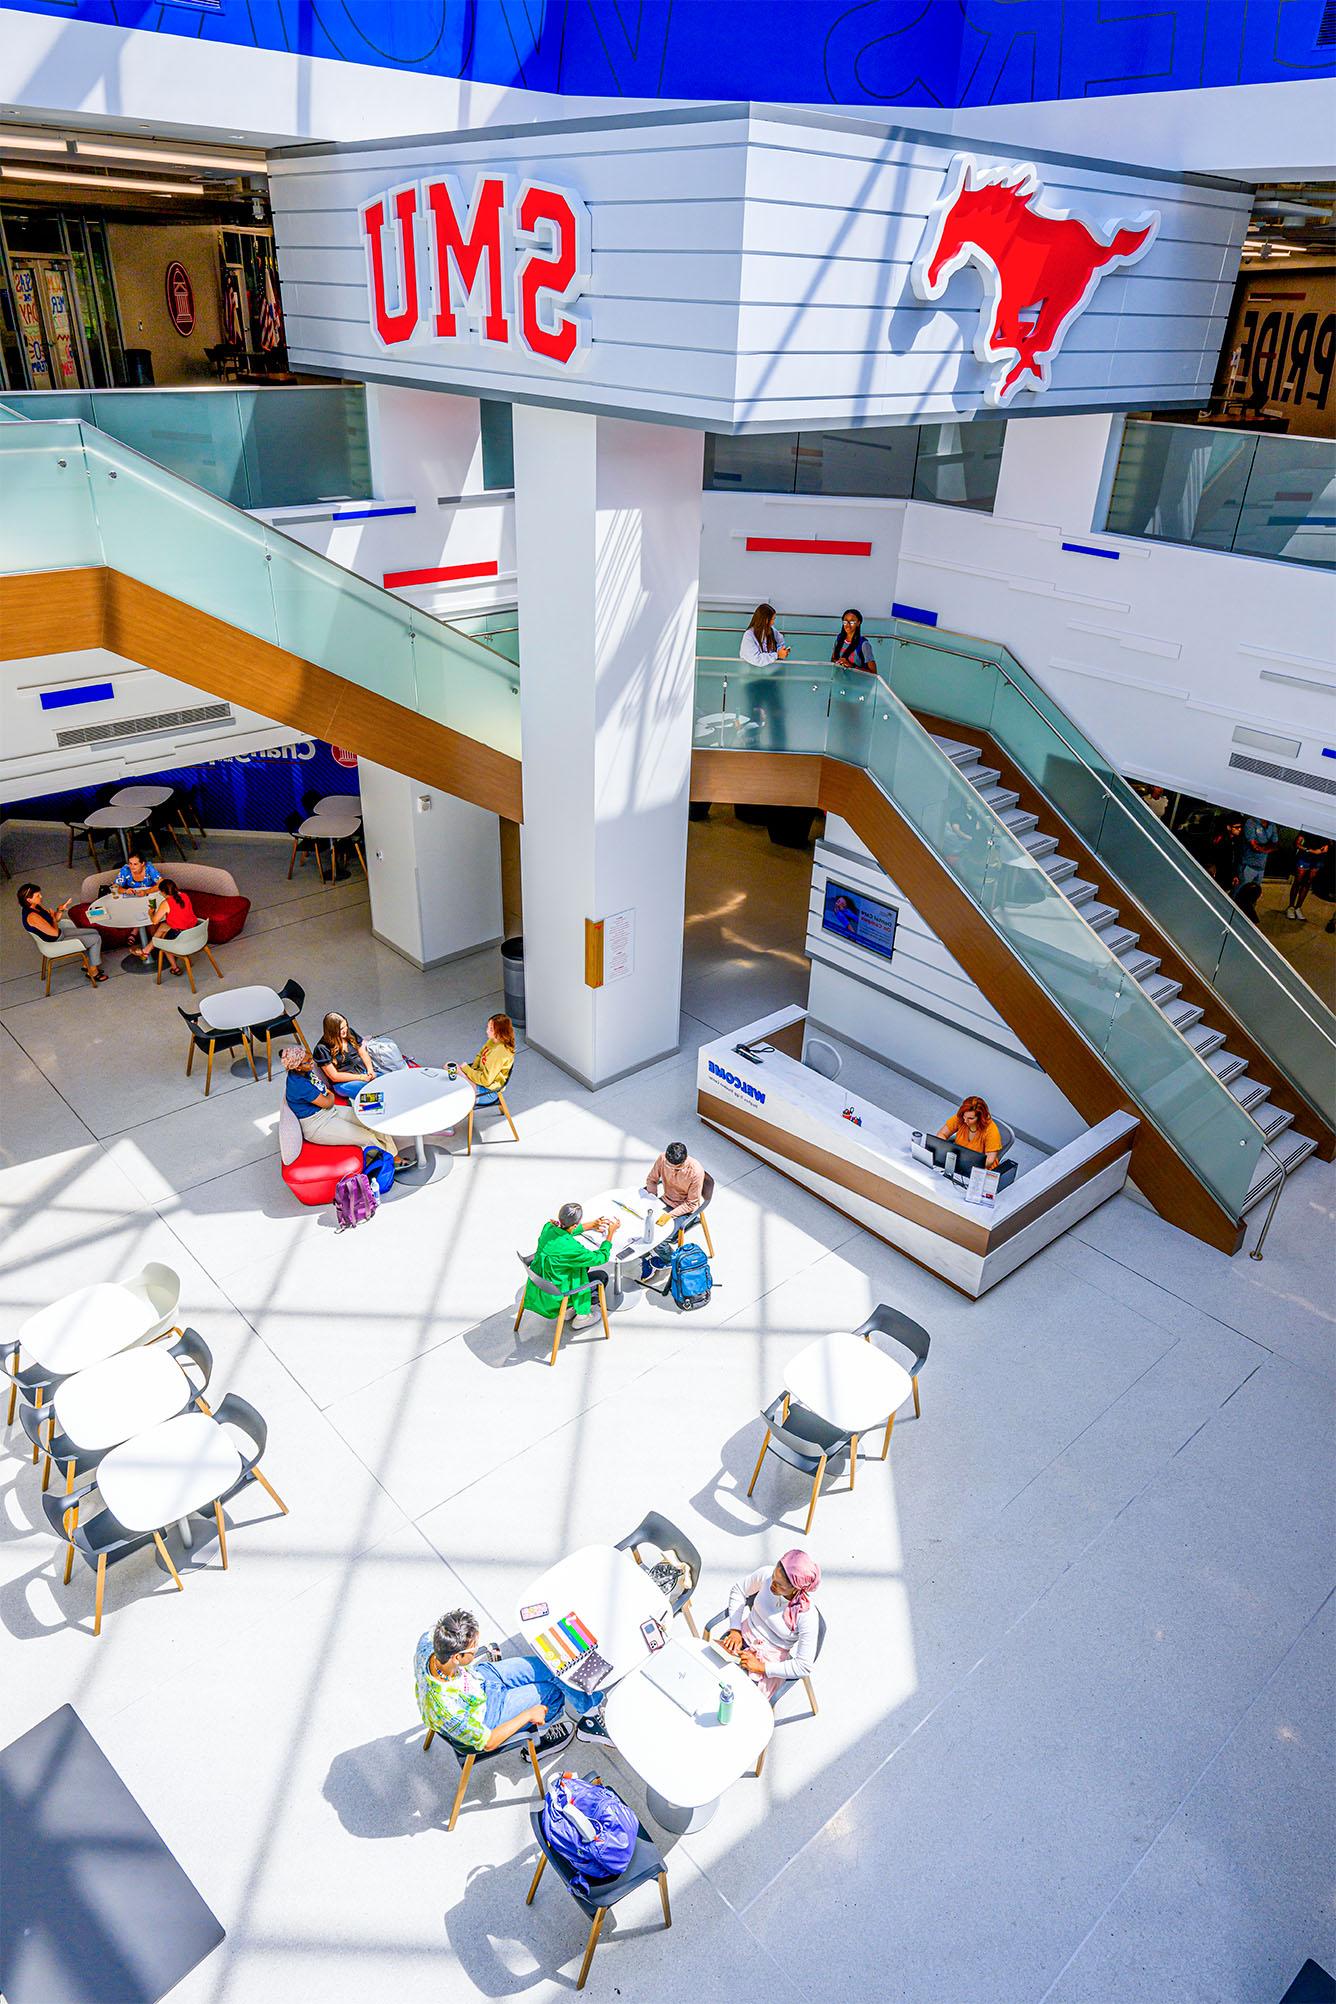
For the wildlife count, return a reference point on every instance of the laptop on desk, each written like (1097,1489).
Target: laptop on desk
(686,1679)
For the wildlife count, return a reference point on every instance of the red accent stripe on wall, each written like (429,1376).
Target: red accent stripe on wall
(443,574)
(810,548)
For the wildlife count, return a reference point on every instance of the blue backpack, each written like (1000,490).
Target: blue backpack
(691,1284)
(590,1827)
(379,1169)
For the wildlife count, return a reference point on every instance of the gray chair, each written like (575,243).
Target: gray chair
(823,1057)
(656,1530)
(807,1443)
(486,1096)
(908,1335)
(549,1287)
(698,1216)
(646,1864)
(717,1621)
(53,950)
(192,1352)
(238,1413)
(293,997)
(102,1541)
(204,1038)
(468,1758)
(33,1384)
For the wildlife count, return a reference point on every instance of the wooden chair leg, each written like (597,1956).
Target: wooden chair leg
(319,865)
(166,1558)
(92,850)
(853,1458)
(705,1228)
(690,1619)
(161,959)
(48,975)
(189,960)
(817,1480)
(154,840)
(168,829)
(249,1048)
(37,1405)
(537,1771)
(663,1896)
(292,859)
(360,857)
(208,1076)
(469,1149)
(209,957)
(69,860)
(190,1058)
(464,1774)
(603,1311)
(561,1321)
(301,1036)
(431,1734)
(69,1549)
(811,1696)
(269,1489)
(101,1588)
(46,1471)
(520,1316)
(590,1946)
(542,1867)
(268,1049)
(760,1762)
(500,1100)
(918,1409)
(886,1443)
(222,1534)
(759,1459)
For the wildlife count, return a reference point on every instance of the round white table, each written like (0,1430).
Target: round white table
(330,824)
(240,1008)
(122,1396)
(84,1327)
(119,818)
(610,1593)
(849,1383)
(160,1476)
(629,1205)
(339,803)
(687,1759)
(141,796)
(127,912)
(419,1100)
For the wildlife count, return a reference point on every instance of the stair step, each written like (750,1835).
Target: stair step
(1140,965)
(1160,988)
(1058,868)
(1098,914)
(1183,1015)
(1249,1092)
(1019,820)
(1038,845)
(1203,1039)
(1079,891)
(1272,1120)
(1116,937)
(1225,1064)
(1283,1159)
(979,775)
(958,753)
(999,797)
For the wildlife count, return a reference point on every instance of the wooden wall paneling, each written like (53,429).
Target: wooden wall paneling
(39,616)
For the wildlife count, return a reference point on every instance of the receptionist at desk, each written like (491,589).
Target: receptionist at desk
(972,1126)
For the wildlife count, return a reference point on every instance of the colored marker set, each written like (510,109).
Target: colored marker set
(564,1643)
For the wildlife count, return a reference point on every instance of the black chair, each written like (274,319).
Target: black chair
(907,1335)
(646,1864)
(656,1530)
(468,1757)
(204,1038)
(718,1620)
(806,1443)
(190,1349)
(595,1280)
(239,1413)
(302,845)
(33,1384)
(160,822)
(102,1541)
(79,830)
(293,997)
(698,1217)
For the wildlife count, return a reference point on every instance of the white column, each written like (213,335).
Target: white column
(434,865)
(608,541)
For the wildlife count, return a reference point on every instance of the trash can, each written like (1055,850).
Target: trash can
(512,977)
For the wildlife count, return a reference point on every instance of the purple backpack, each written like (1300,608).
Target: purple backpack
(355,1200)
(589,1827)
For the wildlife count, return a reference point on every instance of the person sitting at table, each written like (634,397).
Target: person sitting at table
(972,1126)
(134,877)
(324,1117)
(679,1178)
(772,1624)
(173,916)
(343,1057)
(480,1699)
(494,1062)
(48,925)
(565,1257)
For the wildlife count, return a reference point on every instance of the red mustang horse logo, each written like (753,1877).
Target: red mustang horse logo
(1039,267)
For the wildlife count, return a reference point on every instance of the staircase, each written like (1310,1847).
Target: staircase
(1286,1147)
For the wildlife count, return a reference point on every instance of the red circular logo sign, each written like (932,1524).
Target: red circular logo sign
(180,298)
(342,757)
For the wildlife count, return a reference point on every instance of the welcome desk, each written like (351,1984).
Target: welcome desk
(799,1121)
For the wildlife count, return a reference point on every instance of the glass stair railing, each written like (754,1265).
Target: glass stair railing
(71,497)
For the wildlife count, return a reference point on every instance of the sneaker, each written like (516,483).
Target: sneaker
(555,1738)
(490,1652)
(1290,912)
(593,1727)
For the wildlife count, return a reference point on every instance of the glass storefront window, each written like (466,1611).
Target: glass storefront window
(952,463)
(879,461)
(958,463)
(764,464)
(498,444)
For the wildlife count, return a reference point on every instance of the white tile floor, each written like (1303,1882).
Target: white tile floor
(1075,1731)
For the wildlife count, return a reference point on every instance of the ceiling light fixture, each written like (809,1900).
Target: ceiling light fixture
(159,156)
(96,183)
(32,141)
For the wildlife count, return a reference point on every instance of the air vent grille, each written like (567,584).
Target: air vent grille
(1314,781)
(1326,27)
(160,726)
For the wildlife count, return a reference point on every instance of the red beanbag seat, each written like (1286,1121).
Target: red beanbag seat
(312,1177)
(226,916)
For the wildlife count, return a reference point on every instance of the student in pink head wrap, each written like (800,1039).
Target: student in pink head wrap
(772,1624)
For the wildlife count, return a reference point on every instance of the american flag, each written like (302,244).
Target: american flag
(271,313)
(234,320)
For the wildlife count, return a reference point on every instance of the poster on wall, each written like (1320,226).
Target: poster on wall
(255,791)
(180,298)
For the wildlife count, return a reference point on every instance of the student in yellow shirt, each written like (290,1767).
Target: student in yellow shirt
(974,1127)
(491,1068)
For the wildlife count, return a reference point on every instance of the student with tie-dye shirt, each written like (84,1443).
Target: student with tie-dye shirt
(479,1700)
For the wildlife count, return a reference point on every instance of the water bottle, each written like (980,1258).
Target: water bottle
(725,1703)
(452,1072)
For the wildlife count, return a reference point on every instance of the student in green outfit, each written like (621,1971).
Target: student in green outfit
(565,1257)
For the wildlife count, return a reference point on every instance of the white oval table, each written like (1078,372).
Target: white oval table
(610,1593)
(160,1476)
(850,1383)
(120,818)
(126,913)
(418,1101)
(686,1758)
(84,1327)
(141,796)
(629,1206)
(240,1008)
(125,1395)
(332,823)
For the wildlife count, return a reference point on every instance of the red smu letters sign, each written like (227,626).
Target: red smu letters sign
(509,264)
(1039,266)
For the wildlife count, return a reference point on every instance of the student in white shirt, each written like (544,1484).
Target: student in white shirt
(764,646)
(772,1624)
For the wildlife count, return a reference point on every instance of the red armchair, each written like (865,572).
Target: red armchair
(309,1169)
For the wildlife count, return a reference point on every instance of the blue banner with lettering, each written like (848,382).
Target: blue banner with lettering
(256,790)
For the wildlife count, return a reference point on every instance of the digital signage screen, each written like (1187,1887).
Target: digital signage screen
(862,920)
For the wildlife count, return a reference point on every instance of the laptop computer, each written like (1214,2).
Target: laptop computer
(686,1679)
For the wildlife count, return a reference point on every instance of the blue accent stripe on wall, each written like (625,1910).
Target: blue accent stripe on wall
(64,699)
(365,514)
(918,613)
(1089,550)
(1328,751)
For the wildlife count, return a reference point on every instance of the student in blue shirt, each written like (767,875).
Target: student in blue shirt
(134,877)
(324,1117)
